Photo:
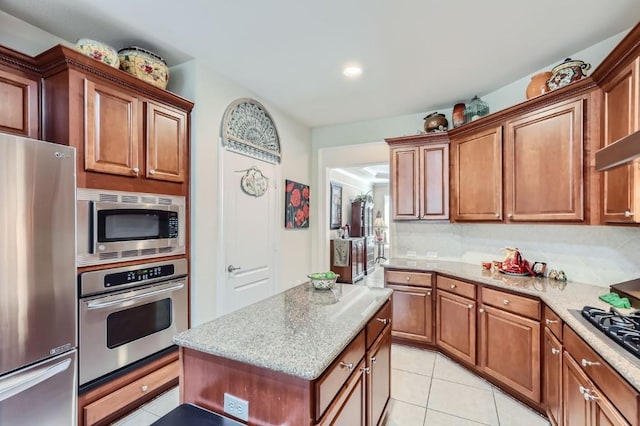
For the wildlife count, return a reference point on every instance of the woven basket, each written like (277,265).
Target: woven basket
(145,65)
(99,51)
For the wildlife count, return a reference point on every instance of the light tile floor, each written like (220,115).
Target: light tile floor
(427,388)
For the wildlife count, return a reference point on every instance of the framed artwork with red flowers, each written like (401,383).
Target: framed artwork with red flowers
(296,205)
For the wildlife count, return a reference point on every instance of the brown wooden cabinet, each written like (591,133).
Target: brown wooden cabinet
(354,271)
(621,117)
(413,305)
(361,219)
(509,349)
(378,375)
(19,94)
(420,177)
(456,318)
(544,164)
(129,135)
(552,378)
(476,176)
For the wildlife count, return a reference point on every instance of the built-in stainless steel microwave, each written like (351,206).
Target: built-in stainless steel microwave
(115,226)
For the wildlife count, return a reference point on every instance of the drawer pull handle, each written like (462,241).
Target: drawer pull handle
(144,388)
(470,306)
(347,365)
(589,397)
(586,363)
(373,360)
(367,370)
(550,321)
(385,321)
(505,301)
(555,351)
(453,286)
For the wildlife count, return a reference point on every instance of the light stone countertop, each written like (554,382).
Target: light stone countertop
(299,331)
(562,298)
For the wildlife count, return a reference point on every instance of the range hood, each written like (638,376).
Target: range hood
(620,152)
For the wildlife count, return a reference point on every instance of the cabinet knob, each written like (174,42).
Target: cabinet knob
(373,360)
(453,286)
(589,397)
(550,321)
(505,301)
(481,311)
(144,388)
(628,213)
(135,170)
(497,215)
(408,278)
(367,370)
(347,365)
(470,306)
(510,215)
(152,172)
(428,293)
(385,321)
(586,363)
(555,351)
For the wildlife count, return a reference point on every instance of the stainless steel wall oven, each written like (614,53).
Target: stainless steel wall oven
(129,313)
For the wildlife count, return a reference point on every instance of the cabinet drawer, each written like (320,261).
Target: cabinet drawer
(553,322)
(460,288)
(408,278)
(330,383)
(129,394)
(511,303)
(378,323)
(616,389)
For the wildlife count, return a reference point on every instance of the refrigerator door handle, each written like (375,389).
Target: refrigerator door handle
(20,383)
(97,304)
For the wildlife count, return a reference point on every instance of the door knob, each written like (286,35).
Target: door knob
(232,268)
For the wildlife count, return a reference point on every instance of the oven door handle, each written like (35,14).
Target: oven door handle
(100,305)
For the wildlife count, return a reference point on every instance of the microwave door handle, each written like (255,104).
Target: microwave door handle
(100,305)
(20,383)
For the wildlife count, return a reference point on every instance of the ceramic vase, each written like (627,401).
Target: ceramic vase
(457,116)
(538,84)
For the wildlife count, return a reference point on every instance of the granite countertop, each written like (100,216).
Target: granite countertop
(299,331)
(561,297)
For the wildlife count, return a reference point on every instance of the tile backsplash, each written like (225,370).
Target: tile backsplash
(599,255)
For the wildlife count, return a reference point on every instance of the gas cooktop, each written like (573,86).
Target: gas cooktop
(624,329)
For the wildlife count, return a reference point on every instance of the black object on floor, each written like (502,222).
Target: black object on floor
(192,415)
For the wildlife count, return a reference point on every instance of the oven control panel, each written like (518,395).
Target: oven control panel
(138,275)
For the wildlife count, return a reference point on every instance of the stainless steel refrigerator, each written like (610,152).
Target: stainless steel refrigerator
(38,313)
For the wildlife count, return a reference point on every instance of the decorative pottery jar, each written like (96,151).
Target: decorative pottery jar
(435,122)
(567,72)
(538,84)
(145,65)
(477,108)
(99,51)
(457,116)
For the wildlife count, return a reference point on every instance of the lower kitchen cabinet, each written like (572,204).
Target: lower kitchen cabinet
(509,343)
(349,406)
(456,325)
(413,305)
(378,374)
(552,377)
(106,403)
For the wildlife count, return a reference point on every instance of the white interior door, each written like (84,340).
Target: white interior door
(249,225)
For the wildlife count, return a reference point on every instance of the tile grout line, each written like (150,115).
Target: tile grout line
(433,368)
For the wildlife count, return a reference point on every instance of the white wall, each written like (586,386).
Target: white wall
(211,93)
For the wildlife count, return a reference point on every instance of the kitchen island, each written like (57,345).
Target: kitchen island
(301,357)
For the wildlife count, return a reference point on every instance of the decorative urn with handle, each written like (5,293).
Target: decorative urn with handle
(435,122)
(567,72)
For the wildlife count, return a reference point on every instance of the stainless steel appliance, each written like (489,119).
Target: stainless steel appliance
(38,316)
(624,329)
(129,313)
(115,226)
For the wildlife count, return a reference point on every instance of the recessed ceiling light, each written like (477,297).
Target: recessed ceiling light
(352,71)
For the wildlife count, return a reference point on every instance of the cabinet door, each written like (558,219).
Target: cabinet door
(112,142)
(349,407)
(19,106)
(620,109)
(552,377)
(358,265)
(476,181)
(456,325)
(576,410)
(510,350)
(434,181)
(166,143)
(378,377)
(405,171)
(412,313)
(544,166)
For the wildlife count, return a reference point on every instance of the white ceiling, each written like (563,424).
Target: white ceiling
(369,175)
(417,55)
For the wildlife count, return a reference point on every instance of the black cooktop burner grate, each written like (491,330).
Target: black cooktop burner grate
(621,328)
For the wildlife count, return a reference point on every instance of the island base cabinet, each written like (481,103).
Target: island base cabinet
(378,377)
(348,409)
(510,350)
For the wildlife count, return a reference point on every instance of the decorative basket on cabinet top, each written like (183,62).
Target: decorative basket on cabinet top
(145,65)
(99,51)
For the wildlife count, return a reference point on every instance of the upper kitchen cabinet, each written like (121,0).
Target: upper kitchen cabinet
(544,165)
(420,176)
(476,175)
(131,135)
(19,94)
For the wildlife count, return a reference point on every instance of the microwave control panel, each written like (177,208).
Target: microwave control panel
(173,225)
